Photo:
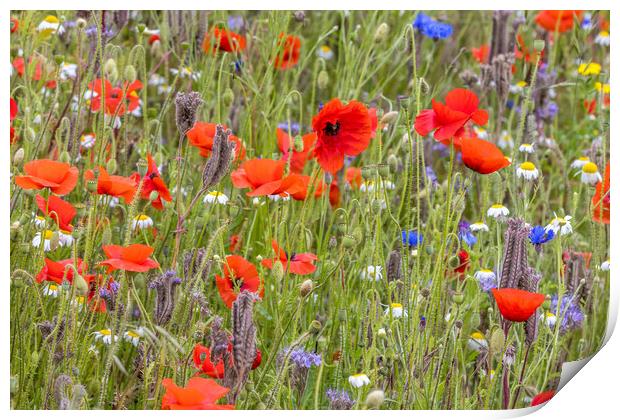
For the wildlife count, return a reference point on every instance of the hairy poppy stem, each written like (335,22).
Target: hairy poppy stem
(520,383)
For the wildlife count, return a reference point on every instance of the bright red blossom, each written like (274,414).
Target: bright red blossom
(449,120)
(482,156)
(289,47)
(114,185)
(59,177)
(153,182)
(265,177)
(201,136)
(341,130)
(54,271)
(481,54)
(301,264)
(118,100)
(61,211)
(562,20)
(298,159)
(601,201)
(199,394)
(517,305)
(543,397)
(239,275)
(133,258)
(219,39)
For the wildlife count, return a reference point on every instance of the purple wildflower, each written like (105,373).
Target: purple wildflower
(570,312)
(339,399)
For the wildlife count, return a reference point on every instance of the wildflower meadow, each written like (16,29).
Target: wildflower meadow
(306,209)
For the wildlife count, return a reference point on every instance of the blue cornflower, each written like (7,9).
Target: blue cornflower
(432,28)
(412,238)
(466,235)
(305,359)
(421,20)
(236,23)
(570,311)
(284,126)
(538,236)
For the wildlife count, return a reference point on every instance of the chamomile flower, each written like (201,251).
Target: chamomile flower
(65,238)
(478,227)
(590,174)
(39,222)
(325,52)
(498,211)
(278,197)
(527,171)
(133,336)
(215,197)
(486,278)
(602,38)
(505,140)
(45,237)
(49,26)
(359,380)
(371,186)
(580,162)
(561,225)
(477,341)
(372,272)
(186,73)
(79,302)
(518,87)
(105,336)
(481,132)
(141,221)
(605,265)
(51,289)
(589,69)
(526,148)
(397,311)
(257,202)
(68,71)
(87,140)
(549,319)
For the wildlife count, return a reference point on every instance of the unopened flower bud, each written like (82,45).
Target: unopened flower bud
(111,166)
(109,68)
(142,166)
(374,399)
(18,157)
(315,326)
(348,241)
(389,117)
(54,241)
(323,79)
(539,45)
(81,287)
(141,27)
(277,270)
(299,16)
(299,144)
(130,73)
(382,32)
(392,162)
(306,288)
(80,23)
(228,96)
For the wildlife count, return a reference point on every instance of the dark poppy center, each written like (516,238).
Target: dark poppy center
(331,129)
(290,257)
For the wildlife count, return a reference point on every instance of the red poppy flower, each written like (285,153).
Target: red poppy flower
(133,258)
(289,47)
(341,130)
(12,135)
(304,187)
(561,19)
(59,177)
(481,54)
(374,122)
(14,24)
(543,397)
(219,39)
(153,182)
(20,66)
(14,109)
(114,185)
(239,275)
(153,38)
(523,52)
(54,271)
(265,177)
(449,120)
(199,394)
(517,305)
(202,361)
(482,156)
(201,136)
(353,176)
(463,262)
(334,194)
(298,159)
(301,264)
(235,243)
(58,209)
(601,202)
(118,100)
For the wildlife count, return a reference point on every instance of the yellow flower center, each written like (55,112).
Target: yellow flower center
(528,166)
(142,217)
(105,332)
(52,287)
(48,234)
(133,334)
(215,193)
(522,83)
(497,206)
(477,335)
(51,19)
(486,271)
(397,306)
(590,168)
(603,34)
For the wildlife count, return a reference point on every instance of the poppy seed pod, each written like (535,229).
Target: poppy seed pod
(458,298)
(539,45)
(383,169)
(91,185)
(389,117)
(368,172)
(65,157)
(299,144)
(348,241)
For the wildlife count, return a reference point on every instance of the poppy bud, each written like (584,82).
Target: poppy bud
(34,356)
(142,166)
(475,320)
(130,73)
(384,170)
(315,326)
(381,333)
(153,195)
(141,27)
(357,234)
(111,166)
(457,298)
(106,236)
(306,288)
(374,399)
(539,45)
(228,96)
(368,172)
(389,117)
(546,304)
(30,134)
(185,46)
(109,68)
(80,23)
(54,241)
(299,144)
(81,287)
(392,162)
(65,157)
(382,32)
(429,249)
(377,205)
(323,79)
(18,157)
(156,48)
(277,271)
(454,262)
(342,227)
(496,341)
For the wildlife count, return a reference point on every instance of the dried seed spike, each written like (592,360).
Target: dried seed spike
(187,105)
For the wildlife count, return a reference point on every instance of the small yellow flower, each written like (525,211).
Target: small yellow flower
(589,69)
(602,87)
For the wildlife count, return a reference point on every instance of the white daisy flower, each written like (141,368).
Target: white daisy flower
(478,227)
(397,311)
(561,225)
(46,237)
(526,148)
(325,52)
(602,38)
(142,221)
(51,289)
(505,140)
(498,211)
(590,174)
(215,197)
(481,132)
(68,71)
(186,73)
(527,171)
(50,25)
(485,275)
(548,318)
(105,336)
(359,380)
(87,140)
(371,186)
(257,202)
(133,336)
(579,163)
(372,272)
(278,197)
(518,87)
(477,341)
(605,265)
(39,222)
(65,238)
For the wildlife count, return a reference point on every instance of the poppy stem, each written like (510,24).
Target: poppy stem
(520,383)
